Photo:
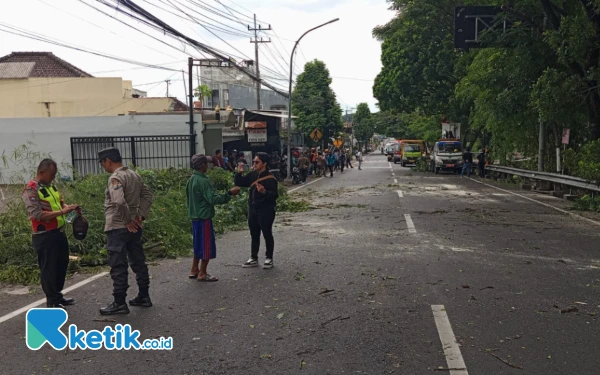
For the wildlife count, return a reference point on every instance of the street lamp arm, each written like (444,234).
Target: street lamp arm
(289,123)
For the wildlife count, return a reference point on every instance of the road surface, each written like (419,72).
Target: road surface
(393,272)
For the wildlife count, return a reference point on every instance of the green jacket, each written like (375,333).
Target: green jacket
(202,197)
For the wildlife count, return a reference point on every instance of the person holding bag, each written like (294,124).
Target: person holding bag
(262,200)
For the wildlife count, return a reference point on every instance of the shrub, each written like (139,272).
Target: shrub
(167,230)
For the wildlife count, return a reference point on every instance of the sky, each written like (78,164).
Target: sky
(347,46)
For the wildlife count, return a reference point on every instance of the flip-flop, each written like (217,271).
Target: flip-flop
(208,279)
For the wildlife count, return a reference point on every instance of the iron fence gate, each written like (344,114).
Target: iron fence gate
(149,151)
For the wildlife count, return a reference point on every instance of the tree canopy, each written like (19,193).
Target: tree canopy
(546,68)
(314,102)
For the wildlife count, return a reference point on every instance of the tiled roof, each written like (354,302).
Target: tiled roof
(46,65)
(14,70)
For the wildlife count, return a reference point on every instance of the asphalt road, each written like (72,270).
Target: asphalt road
(354,287)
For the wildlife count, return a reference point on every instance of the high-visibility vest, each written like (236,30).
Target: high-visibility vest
(50,201)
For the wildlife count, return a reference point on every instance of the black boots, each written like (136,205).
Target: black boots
(114,309)
(141,301)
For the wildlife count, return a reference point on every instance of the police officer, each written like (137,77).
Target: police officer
(46,210)
(126,205)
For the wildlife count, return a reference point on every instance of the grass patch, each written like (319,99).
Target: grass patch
(167,231)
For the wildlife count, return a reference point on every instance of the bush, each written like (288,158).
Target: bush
(587,203)
(167,231)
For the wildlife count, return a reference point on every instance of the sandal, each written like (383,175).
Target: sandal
(208,279)
(194,276)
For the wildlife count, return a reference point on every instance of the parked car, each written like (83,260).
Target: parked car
(410,153)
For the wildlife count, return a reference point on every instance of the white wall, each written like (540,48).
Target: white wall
(52,136)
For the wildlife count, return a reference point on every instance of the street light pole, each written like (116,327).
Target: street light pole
(289,123)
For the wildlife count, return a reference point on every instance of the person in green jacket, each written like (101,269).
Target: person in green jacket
(201,201)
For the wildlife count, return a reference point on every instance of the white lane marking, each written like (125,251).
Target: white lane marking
(390,164)
(410,224)
(454,359)
(305,185)
(393,174)
(395,180)
(542,203)
(42,301)
(400,193)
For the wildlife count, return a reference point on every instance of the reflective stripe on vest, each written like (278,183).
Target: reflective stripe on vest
(49,195)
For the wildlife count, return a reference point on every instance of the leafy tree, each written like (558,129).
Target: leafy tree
(315,103)
(363,123)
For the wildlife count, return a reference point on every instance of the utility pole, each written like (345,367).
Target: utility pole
(351,128)
(256,29)
(184,86)
(168,81)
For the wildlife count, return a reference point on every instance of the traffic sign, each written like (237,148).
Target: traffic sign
(316,135)
(338,143)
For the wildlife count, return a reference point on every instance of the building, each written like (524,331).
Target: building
(230,87)
(40,84)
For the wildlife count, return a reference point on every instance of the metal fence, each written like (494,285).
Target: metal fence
(556,178)
(150,151)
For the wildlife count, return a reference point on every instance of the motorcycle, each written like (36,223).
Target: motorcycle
(295,176)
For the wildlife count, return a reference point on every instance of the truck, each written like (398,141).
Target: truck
(410,151)
(447,153)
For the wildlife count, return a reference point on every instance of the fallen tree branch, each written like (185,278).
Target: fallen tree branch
(507,362)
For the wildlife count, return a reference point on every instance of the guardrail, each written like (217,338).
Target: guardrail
(546,176)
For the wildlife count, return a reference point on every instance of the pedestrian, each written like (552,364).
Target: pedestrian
(467,163)
(337,159)
(320,164)
(481,163)
(201,201)
(241,159)
(262,200)
(46,210)
(126,205)
(359,159)
(349,159)
(217,160)
(303,165)
(233,161)
(330,163)
(313,161)
(342,161)
(226,160)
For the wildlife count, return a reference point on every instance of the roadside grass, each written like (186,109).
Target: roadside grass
(167,231)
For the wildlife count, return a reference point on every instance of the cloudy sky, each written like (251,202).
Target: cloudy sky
(347,47)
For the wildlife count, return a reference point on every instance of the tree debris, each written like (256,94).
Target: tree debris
(506,362)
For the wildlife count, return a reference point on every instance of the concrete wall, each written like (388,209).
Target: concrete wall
(52,136)
(73,97)
(213,139)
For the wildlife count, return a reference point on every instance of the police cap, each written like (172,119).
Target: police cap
(111,153)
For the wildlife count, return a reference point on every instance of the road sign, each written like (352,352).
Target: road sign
(316,135)
(338,143)
(566,136)
(470,22)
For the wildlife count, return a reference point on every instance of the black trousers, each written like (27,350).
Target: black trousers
(342,165)
(124,250)
(52,249)
(261,221)
(482,170)
(303,175)
(330,169)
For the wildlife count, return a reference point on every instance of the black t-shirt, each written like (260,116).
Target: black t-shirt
(468,157)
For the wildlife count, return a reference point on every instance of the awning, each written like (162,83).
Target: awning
(270,114)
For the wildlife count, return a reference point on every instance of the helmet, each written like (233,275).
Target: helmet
(80,228)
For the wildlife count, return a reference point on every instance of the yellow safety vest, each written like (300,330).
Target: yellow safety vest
(51,196)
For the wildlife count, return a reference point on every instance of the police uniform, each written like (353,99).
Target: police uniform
(126,199)
(49,239)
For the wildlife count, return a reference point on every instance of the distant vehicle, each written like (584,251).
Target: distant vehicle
(447,156)
(411,152)
(391,149)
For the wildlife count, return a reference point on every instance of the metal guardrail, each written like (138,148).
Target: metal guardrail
(546,176)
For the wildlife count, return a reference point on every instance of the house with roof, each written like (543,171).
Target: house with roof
(40,84)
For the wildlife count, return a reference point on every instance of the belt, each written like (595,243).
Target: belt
(53,231)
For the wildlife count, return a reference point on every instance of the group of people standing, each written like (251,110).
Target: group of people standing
(319,163)
(468,163)
(127,203)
